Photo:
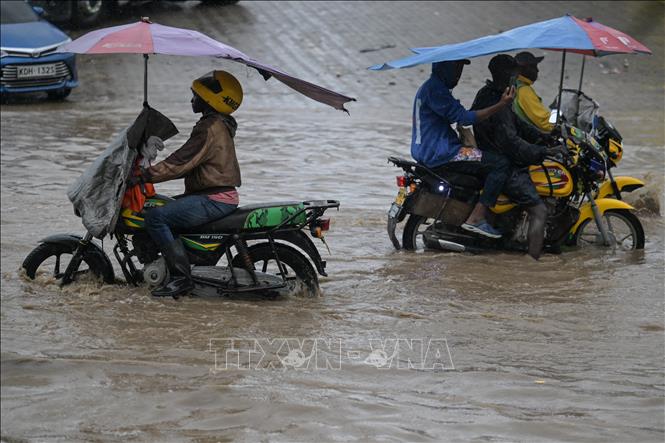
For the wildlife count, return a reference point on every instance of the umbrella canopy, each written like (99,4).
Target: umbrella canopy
(565,33)
(145,37)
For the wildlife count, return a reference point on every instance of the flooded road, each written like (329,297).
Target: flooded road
(413,347)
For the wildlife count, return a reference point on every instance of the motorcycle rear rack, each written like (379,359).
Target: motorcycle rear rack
(423,173)
(317,208)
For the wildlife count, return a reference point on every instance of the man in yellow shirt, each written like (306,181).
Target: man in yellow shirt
(527,105)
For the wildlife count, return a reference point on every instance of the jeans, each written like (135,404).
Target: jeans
(521,189)
(186,212)
(494,168)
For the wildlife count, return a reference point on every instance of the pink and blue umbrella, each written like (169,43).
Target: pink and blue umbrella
(145,37)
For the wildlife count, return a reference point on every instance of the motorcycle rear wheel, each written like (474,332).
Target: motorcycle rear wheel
(412,237)
(296,265)
(49,255)
(624,227)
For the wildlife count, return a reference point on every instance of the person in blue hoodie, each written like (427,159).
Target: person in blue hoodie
(435,144)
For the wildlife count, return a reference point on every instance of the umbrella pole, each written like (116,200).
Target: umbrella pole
(145,79)
(558,102)
(579,90)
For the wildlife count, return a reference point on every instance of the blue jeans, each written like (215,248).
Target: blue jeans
(186,212)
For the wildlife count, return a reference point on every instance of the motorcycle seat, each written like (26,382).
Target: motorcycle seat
(258,216)
(460,179)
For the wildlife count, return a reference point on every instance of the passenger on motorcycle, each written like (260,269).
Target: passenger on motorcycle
(528,105)
(505,133)
(208,163)
(435,144)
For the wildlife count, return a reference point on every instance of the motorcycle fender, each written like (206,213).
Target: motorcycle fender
(392,224)
(301,240)
(72,241)
(625,184)
(604,204)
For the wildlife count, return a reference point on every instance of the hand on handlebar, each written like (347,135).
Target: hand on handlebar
(558,149)
(556,131)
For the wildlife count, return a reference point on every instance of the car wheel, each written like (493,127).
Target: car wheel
(86,12)
(59,94)
(219,2)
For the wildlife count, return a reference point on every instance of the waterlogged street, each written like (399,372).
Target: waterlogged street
(400,346)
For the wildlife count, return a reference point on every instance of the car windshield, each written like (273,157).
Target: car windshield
(17,12)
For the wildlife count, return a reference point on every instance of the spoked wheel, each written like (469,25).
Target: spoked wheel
(624,229)
(299,272)
(412,237)
(51,260)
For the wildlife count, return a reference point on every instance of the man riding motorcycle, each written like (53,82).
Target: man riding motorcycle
(505,133)
(208,163)
(527,104)
(435,144)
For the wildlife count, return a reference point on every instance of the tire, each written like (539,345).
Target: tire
(411,240)
(87,12)
(59,94)
(264,261)
(47,251)
(588,235)
(219,2)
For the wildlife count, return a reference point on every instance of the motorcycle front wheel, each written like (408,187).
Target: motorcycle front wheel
(624,228)
(295,265)
(412,237)
(50,258)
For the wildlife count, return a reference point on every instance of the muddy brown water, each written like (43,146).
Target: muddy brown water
(567,349)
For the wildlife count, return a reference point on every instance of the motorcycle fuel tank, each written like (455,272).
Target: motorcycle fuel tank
(559,184)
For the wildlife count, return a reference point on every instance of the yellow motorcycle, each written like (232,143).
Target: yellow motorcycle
(434,206)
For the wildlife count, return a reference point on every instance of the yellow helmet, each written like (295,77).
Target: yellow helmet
(219,89)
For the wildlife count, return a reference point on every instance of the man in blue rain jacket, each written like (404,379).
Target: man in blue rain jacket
(435,144)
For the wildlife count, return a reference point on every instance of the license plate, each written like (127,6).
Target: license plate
(401,196)
(32,71)
(394,210)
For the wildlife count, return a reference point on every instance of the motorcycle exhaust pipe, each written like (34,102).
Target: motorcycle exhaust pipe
(451,246)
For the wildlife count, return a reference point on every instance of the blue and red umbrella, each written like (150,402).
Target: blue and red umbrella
(567,33)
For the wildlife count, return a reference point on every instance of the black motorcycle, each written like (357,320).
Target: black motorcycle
(266,248)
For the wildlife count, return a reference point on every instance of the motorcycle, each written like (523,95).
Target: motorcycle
(265,246)
(270,266)
(436,205)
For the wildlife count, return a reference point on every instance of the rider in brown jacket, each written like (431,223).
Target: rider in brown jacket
(208,163)
(207,160)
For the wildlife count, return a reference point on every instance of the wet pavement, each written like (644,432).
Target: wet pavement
(407,347)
